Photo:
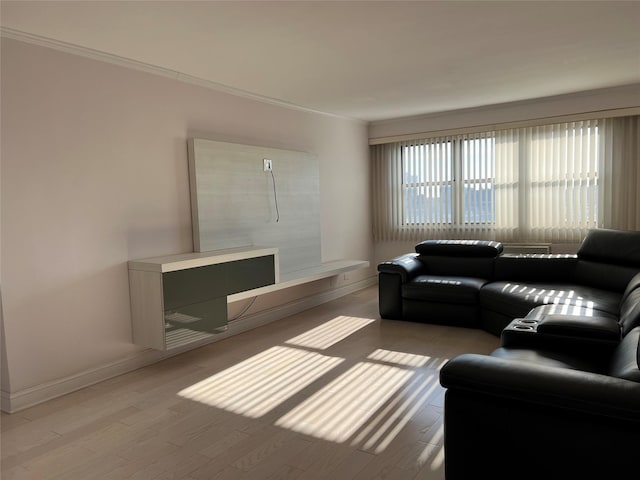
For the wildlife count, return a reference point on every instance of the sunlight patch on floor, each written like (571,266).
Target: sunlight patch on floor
(390,421)
(369,404)
(330,333)
(434,450)
(338,410)
(399,358)
(259,384)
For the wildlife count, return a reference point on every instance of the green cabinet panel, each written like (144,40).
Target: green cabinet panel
(251,273)
(209,316)
(196,285)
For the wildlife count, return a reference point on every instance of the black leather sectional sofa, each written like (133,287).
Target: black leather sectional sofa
(560,398)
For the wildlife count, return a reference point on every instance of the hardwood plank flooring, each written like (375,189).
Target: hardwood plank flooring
(330,393)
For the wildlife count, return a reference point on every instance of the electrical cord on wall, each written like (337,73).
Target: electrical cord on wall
(244,310)
(275,196)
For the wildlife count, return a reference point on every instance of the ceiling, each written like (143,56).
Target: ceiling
(368,60)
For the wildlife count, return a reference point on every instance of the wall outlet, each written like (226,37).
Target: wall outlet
(267,164)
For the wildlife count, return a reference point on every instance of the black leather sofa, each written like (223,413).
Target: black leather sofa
(560,398)
(474,284)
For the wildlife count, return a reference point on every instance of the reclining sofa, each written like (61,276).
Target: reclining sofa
(560,397)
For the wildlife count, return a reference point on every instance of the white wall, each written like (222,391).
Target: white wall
(95,172)
(572,104)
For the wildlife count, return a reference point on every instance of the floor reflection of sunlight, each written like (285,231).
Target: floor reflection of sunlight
(339,409)
(435,450)
(399,358)
(369,404)
(389,422)
(260,383)
(330,333)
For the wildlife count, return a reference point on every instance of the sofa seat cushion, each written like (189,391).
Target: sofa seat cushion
(550,358)
(517,299)
(443,289)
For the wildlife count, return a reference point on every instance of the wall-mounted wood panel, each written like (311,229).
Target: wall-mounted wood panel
(235,203)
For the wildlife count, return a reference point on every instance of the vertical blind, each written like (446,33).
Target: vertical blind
(550,181)
(623,212)
(547,183)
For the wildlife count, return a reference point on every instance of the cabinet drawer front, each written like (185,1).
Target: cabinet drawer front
(197,285)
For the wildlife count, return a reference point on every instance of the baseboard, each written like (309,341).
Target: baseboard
(28,397)
(20,400)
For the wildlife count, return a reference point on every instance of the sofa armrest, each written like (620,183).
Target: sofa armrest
(407,266)
(500,415)
(392,275)
(533,384)
(605,328)
(587,337)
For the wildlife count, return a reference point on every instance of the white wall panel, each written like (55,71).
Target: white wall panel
(234,203)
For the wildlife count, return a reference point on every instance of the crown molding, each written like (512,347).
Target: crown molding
(130,63)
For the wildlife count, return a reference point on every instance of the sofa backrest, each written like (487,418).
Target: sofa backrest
(460,248)
(472,258)
(608,259)
(554,268)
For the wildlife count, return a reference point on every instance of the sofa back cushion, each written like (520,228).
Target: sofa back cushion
(606,276)
(478,267)
(608,259)
(621,247)
(535,268)
(471,258)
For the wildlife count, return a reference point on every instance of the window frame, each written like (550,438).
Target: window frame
(457,182)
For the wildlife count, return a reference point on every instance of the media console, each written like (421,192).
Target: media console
(181,299)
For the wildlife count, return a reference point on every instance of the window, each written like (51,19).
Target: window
(428,183)
(538,183)
(449,181)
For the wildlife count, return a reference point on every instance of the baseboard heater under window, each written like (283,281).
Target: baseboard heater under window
(527,248)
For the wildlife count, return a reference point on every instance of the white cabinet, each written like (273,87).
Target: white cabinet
(179,299)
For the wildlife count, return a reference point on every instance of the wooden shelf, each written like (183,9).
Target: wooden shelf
(182,261)
(291,279)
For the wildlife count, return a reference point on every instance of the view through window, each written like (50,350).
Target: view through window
(451,181)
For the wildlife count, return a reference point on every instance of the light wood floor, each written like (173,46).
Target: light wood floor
(333,392)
